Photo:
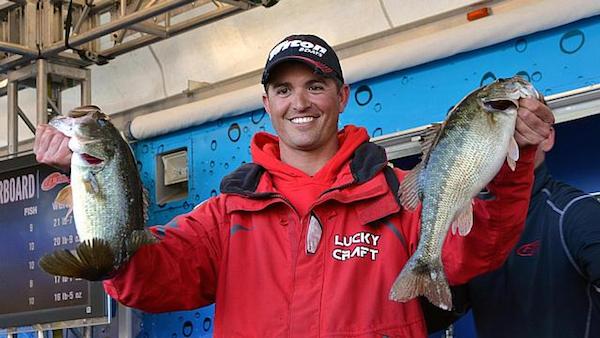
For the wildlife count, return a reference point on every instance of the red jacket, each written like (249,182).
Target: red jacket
(245,249)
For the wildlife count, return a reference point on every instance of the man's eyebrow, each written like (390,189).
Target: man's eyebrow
(279,84)
(318,80)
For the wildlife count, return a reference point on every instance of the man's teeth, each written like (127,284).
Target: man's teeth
(302,119)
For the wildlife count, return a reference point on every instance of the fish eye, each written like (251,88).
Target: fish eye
(101,122)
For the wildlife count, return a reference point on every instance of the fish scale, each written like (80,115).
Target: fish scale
(467,151)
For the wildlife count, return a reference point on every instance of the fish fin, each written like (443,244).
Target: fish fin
(511,163)
(83,110)
(513,154)
(463,222)
(138,239)
(427,280)
(91,183)
(429,139)
(410,191)
(65,196)
(92,260)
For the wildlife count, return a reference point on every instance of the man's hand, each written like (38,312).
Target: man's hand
(534,121)
(52,147)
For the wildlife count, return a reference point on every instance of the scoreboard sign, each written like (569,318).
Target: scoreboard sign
(31,225)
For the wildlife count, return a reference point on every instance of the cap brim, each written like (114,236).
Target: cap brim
(317,66)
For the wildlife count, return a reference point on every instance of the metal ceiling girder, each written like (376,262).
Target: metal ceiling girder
(151,28)
(115,25)
(27,54)
(17,49)
(172,30)
(138,21)
(41,71)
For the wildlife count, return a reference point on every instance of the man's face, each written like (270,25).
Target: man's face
(304,107)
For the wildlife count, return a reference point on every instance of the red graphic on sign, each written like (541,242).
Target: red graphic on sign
(53,180)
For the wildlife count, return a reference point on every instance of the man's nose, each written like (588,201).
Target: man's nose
(301,101)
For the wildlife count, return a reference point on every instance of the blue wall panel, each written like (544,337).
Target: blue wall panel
(554,61)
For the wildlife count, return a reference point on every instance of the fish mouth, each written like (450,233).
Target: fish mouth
(91,160)
(500,105)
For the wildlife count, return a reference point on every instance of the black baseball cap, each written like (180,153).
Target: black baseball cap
(309,49)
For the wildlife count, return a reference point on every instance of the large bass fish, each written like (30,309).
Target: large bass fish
(106,197)
(460,157)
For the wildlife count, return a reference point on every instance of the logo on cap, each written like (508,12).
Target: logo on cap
(303,46)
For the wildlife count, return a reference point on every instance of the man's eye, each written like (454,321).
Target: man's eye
(316,87)
(282,90)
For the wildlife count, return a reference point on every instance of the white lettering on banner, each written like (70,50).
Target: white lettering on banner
(18,188)
(363,246)
(303,46)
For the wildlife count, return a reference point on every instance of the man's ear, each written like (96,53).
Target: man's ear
(266,103)
(344,94)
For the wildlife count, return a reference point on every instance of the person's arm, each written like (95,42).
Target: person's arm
(51,147)
(498,223)
(582,236)
(178,273)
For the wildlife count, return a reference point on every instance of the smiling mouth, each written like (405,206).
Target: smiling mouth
(300,120)
(91,159)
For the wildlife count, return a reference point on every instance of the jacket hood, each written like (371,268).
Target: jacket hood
(265,152)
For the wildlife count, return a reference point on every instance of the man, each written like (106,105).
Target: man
(307,240)
(550,284)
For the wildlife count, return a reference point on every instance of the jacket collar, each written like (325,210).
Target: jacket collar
(249,179)
(250,187)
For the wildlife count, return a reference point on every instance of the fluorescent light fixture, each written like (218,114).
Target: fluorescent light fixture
(4,82)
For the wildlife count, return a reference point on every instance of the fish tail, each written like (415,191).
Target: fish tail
(424,279)
(93,260)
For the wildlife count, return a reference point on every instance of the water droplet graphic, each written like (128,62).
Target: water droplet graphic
(363,95)
(520,45)
(572,41)
(234,132)
(206,324)
(257,116)
(487,78)
(188,329)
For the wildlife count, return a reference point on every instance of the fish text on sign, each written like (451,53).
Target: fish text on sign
(30,211)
